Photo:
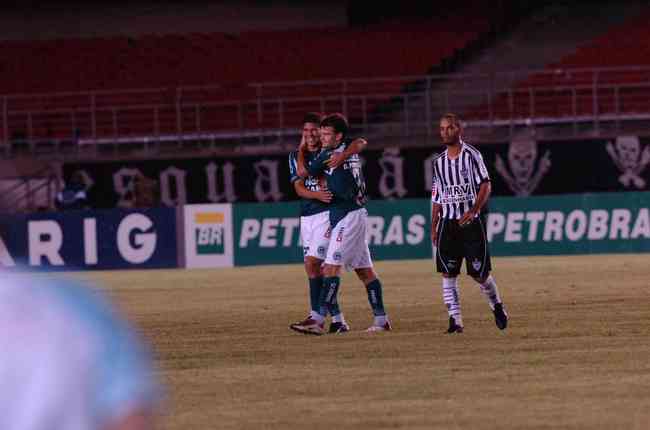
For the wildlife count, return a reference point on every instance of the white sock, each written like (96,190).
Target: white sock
(450,296)
(338,318)
(490,291)
(313,314)
(318,318)
(380,320)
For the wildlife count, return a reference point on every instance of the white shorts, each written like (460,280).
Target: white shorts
(348,244)
(315,234)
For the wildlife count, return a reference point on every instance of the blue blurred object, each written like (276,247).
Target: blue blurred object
(69,360)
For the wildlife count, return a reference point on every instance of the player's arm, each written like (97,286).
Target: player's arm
(317,165)
(482,177)
(482,198)
(355,147)
(435,218)
(436,207)
(324,195)
(301,155)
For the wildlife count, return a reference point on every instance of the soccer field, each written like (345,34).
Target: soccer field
(575,356)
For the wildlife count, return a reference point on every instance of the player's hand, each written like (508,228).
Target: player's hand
(322,183)
(335,160)
(324,196)
(303,144)
(467,218)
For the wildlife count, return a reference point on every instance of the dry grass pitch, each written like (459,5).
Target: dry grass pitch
(575,356)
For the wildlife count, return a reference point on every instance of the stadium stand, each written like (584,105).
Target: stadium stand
(169,84)
(609,75)
(121,86)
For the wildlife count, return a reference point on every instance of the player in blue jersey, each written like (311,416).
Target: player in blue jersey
(314,219)
(69,361)
(348,216)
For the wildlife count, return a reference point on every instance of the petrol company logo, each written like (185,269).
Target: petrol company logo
(209,232)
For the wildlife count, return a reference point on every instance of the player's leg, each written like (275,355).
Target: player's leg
(328,300)
(320,245)
(374,289)
(330,291)
(349,249)
(479,265)
(448,261)
(490,290)
(337,254)
(308,226)
(314,232)
(332,274)
(315,277)
(332,270)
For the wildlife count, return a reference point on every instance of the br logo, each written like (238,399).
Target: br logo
(209,232)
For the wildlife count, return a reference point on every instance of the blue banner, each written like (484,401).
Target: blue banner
(90,240)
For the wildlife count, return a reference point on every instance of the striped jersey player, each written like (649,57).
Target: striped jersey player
(460,189)
(457,181)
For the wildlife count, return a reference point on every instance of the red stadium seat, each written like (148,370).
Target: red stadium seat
(95,79)
(625,46)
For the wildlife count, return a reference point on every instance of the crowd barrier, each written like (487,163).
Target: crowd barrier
(226,235)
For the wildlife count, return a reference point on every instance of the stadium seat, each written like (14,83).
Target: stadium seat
(103,87)
(625,47)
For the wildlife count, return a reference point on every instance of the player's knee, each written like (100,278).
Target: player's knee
(449,275)
(330,270)
(480,280)
(366,275)
(313,267)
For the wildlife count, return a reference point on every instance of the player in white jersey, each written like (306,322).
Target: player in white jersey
(68,361)
(461,187)
(348,245)
(315,229)
(314,221)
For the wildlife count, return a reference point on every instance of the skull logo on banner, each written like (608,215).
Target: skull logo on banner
(523,177)
(628,157)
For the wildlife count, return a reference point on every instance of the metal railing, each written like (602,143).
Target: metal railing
(405,105)
(30,193)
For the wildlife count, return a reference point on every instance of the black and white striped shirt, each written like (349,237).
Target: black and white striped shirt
(456,182)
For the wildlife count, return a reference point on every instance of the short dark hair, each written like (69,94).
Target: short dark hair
(337,121)
(451,117)
(313,117)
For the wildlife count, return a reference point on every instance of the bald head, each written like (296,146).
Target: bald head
(450,129)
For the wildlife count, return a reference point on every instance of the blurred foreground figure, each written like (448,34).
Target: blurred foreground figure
(68,361)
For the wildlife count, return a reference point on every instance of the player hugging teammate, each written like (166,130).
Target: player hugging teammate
(333,176)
